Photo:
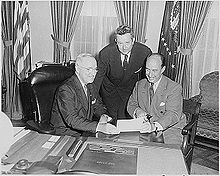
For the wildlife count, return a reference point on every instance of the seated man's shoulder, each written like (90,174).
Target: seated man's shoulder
(67,83)
(141,46)
(172,84)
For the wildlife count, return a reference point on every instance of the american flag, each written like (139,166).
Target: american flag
(21,41)
(169,37)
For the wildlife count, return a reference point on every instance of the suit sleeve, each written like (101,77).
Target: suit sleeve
(132,102)
(173,112)
(72,111)
(102,69)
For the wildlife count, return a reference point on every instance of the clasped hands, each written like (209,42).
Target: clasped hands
(105,127)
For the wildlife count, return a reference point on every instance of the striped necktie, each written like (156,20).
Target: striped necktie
(151,91)
(125,62)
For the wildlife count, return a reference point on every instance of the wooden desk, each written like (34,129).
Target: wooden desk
(153,158)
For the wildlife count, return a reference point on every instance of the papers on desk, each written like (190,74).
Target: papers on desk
(129,125)
(19,132)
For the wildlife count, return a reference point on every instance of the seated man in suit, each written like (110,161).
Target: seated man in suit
(77,102)
(161,98)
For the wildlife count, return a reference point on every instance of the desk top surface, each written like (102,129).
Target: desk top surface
(152,158)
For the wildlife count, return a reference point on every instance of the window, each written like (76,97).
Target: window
(96,23)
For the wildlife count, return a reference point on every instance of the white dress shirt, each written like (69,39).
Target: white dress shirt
(123,58)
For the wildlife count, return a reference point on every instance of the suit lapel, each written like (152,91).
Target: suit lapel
(133,63)
(80,91)
(159,92)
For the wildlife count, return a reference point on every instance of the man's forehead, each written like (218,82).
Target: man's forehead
(88,61)
(124,36)
(154,60)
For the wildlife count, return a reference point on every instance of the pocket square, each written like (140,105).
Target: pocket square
(162,104)
(93,101)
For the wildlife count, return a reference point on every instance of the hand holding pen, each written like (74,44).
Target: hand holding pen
(147,125)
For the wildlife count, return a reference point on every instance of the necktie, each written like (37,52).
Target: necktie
(89,102)
(151,91)
(86,91)
(125,62)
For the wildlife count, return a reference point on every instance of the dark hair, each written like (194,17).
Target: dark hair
(124,29)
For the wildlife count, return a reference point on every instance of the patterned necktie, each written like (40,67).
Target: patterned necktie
(89,102)
(125,62)
(151,91)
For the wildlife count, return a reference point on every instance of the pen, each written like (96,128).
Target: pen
(148,118)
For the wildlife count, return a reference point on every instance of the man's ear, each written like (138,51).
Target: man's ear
(163,69)
(133,40)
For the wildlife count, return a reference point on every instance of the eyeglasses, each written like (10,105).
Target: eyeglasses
(89,69)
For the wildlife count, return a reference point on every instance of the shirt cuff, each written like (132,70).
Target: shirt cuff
(158,126)
(134,114)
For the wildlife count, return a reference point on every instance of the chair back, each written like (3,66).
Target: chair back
(209,90)
(44,82)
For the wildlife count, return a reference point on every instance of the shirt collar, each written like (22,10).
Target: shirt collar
(123,55)
(156,84)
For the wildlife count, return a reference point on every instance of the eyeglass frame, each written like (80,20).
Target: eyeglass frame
(89,69)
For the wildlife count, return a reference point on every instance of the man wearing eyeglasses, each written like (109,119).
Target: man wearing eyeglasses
(119,68)
(77,108)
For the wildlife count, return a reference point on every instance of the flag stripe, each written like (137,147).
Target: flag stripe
(22,56)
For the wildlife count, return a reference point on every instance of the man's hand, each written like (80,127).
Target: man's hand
(140,113)
(147,127)
(107,128)
(104,118)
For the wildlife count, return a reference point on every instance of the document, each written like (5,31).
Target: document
(130,125)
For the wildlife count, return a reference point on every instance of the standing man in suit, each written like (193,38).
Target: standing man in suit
(119,68)
(161,98)
(77,103)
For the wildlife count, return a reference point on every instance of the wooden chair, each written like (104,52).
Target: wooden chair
(191,110)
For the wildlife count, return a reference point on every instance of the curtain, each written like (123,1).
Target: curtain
(134,14)
(169,37)
(7,59)
(95,27)
(64,19)
(16,62)
(206,52)
(193,14)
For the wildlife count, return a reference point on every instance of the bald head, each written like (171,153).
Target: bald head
(154,67)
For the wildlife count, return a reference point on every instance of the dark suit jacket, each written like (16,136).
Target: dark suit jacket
(70,108)
(111,79)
